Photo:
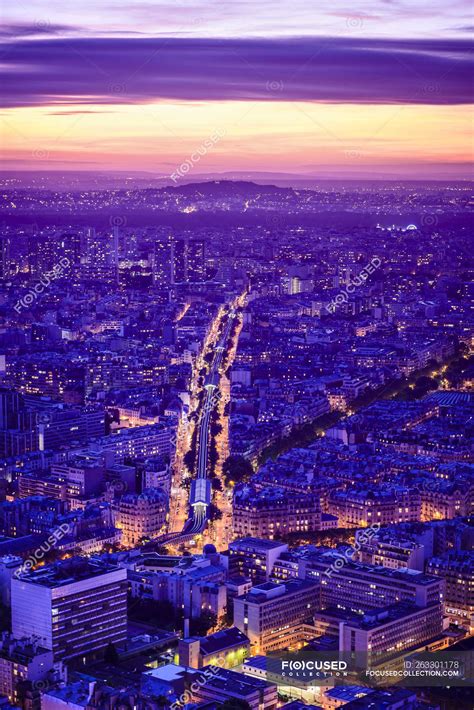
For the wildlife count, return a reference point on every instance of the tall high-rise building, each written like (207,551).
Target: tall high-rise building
(179,256)
(11,403)
(196,265)
(4,258)
(189,263)
(73,608)
(162,262)
(71,247)
(113,248)
(102,251)
(44,253)
(18,425)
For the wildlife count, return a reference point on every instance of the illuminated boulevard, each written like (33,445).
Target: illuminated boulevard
(189,514)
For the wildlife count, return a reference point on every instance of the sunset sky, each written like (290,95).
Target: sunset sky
(381,89)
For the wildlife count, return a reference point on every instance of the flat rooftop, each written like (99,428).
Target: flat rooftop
(271,591)
(402,575)
(67,572)
(348,692)
(256,543)
(235,683)
(259,662)
(375,617)
(221,640)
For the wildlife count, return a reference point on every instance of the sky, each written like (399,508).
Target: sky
(376,87)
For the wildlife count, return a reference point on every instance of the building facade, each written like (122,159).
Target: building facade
(73,608)
(271,615)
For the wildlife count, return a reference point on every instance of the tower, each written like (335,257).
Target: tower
(189,263)
(4,258)
(163,261)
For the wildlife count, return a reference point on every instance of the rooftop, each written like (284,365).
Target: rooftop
(262,593)
(20,651)
(348,692)
(235,683)
(375,617)
(227,638)
(325,555)
(67,572)
(255,543)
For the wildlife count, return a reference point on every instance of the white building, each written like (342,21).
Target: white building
(272,615)
(73,608)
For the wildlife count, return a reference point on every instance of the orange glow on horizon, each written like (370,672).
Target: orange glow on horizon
(263,136)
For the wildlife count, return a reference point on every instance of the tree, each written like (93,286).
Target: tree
(216,484)
(213,454)
(237,469)
(216,429)
(203,624)
(426,383)
(189,459)
(186,483)
(111,547)
(214,513)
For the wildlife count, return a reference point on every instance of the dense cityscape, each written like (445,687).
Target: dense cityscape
(236,355)
(228,440)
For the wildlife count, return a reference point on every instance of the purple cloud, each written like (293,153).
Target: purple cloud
(30,29)
(133,70)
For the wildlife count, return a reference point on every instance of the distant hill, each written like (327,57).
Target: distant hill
(231,188)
